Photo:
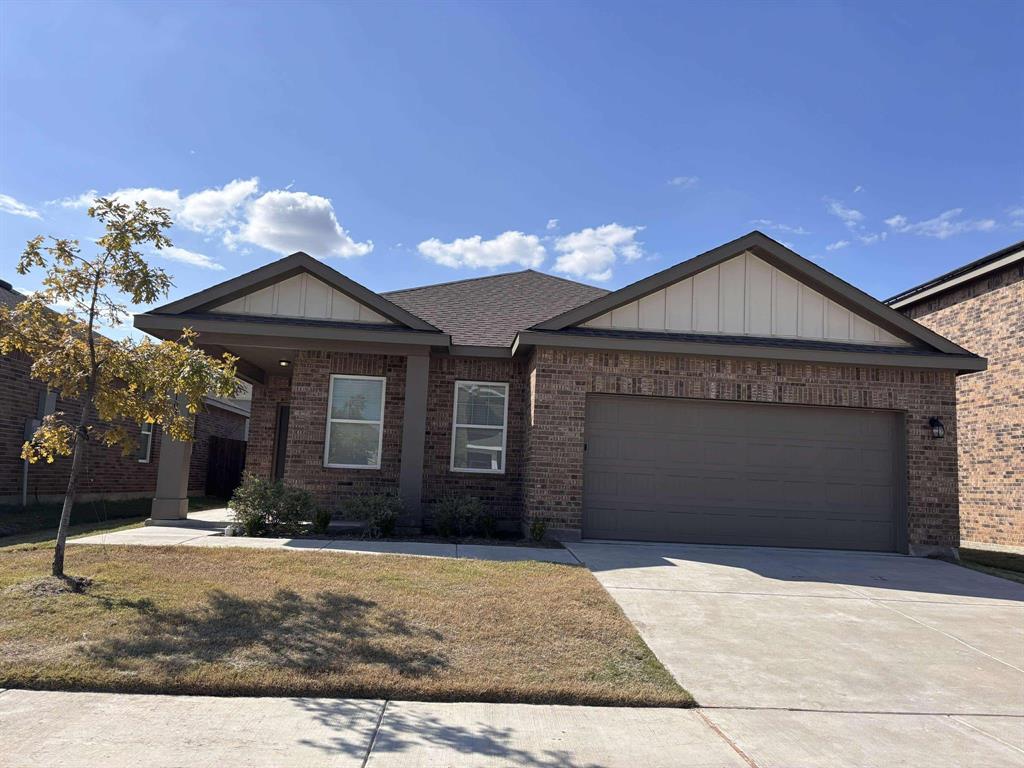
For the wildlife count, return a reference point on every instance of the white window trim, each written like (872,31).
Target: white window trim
(379,422)
(149,442)
(456,425)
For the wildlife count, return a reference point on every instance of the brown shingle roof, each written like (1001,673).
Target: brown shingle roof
(489,311)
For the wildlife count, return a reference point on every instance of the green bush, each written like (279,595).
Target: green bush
(265,508)
(321,520)
(379,511)
(463,516)
(537,530)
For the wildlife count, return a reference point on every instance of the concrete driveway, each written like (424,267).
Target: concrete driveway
(784,646)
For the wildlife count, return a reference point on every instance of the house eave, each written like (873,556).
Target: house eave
(170,326)
(890,358)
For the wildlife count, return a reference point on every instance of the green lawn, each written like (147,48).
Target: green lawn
(17,520)
(189,620)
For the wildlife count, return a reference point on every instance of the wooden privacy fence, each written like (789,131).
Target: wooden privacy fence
(224,466)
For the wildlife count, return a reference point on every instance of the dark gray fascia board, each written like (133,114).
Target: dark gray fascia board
(962,364)
(466,350)
(778,255)
(282,269)
(156,324)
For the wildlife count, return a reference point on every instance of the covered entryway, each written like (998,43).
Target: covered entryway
(714,472)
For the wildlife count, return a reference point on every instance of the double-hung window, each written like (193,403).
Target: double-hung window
(355,422)
(479,426)
(145,448)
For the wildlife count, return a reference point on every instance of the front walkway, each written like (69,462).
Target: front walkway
(206,529)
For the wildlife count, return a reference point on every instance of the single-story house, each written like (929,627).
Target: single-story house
(107,474)
(981,306)
(744,396)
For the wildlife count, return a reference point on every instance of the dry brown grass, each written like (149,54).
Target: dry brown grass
(251,622)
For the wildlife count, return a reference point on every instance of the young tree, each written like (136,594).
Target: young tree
(115,381)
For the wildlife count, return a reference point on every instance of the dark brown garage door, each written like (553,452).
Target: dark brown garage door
(666,469)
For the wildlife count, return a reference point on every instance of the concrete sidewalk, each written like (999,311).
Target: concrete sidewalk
(82,730)
(206,529)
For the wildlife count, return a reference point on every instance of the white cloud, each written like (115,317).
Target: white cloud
(946,224)
(285,222)
(212,210)
(1016,216)
(592,252)
(81,202)
(849,216)
(174,253)
(873,237)
(552,224)
(837,245)
(155,197)
(686,182)
(208,210)
(769,224)
(857,189)
(17,208)
(475,252)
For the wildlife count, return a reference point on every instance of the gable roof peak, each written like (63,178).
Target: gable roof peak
(282,269)
(778,255)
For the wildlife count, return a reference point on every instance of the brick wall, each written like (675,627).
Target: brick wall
(307,425)
(107,473)
(266,398)
(210,422)
(307,393)
(987,317)
(559,381)
(502,493)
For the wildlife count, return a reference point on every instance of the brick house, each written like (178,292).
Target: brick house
(745,396)
(981,306)
(107,473)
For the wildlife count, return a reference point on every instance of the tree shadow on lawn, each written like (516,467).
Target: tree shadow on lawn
(401,732)
(325,632)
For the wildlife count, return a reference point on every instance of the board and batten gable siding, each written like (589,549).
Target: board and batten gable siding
(745,296)
(301,296)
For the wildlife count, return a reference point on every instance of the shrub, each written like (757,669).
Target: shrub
(463,516)
(380,512)
(265,508)
(321,520)
(537,530)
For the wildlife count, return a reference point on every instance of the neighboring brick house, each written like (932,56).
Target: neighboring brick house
(745,396)
(107,472)
(981,307)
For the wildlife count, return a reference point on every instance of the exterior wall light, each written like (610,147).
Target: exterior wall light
(938,428)
(286,363)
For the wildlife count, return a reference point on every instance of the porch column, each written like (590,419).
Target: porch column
(171,501)
(414,427)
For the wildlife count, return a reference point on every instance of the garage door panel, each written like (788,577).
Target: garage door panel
(664,469)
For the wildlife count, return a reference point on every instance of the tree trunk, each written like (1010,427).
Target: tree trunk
(69,497)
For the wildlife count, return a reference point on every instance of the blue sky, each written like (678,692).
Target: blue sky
(417,143)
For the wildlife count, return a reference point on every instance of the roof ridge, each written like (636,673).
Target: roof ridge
(454,282)
(490,277)
(569,280)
